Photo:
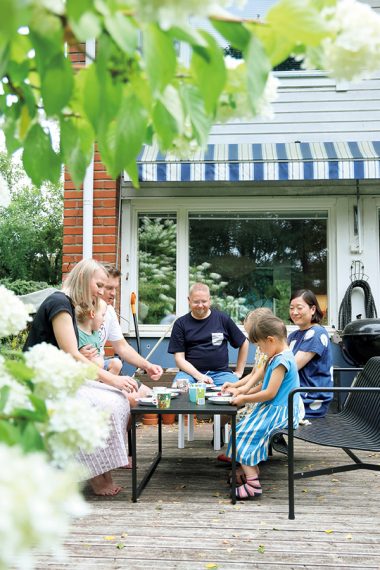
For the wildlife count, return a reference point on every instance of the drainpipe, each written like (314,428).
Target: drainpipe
(88,183)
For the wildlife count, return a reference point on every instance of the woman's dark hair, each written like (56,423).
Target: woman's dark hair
(311,300)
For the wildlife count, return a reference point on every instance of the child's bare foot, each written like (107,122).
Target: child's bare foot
(103,485)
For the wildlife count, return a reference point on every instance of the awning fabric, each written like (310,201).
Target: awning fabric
(264,162)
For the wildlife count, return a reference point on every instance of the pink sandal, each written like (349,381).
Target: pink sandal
(249,490)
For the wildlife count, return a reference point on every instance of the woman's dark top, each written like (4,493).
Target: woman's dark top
(42,327)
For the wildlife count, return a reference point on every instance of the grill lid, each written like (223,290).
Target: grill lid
(362,327)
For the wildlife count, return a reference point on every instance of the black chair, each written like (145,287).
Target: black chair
(356,426)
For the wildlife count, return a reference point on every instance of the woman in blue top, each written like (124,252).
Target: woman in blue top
(270,399)
(312,349)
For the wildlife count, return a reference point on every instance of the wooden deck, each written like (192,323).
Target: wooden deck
(184,518)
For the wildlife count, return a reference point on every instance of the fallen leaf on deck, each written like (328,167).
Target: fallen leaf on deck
(335,480)
(211,565)
(305,490)
(123,535)
(349,536)
(329,531)
(261,548)
(229,550)
(226,542)
(221,512)
(215,520)
(120,546)
(109,537)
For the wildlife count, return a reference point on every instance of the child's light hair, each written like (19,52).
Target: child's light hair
(267,325)
(83,313)
(254,315)
(77,285)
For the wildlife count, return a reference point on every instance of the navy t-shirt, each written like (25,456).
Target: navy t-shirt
(42,328)
(205,341)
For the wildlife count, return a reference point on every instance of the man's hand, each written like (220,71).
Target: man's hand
(89,351)
(154,371)
(206,379)
(125,383)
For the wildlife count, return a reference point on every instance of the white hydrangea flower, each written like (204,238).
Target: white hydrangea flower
(19,393)
(13,315)
(4,193)
(56,373)
(177,12)
(352,51)
(75,424)
(36,505)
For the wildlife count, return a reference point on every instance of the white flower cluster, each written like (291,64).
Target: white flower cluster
(56,373)
(75,424)
(13,315)
(36,504)
(18,394)
(4,193)
(177,12)
(352,51)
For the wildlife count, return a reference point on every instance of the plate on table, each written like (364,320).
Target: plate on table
(147,402)
(213,388)
(226,400)
(218,394)
(173,391)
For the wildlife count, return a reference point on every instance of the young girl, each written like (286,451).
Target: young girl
(89,322)
(270,412)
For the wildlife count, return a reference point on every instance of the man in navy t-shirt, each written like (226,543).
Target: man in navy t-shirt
(199,342)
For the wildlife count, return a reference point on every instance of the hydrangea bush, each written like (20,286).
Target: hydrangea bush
(42,427)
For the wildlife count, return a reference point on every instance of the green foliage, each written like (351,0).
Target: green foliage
(31,229)
(120,100)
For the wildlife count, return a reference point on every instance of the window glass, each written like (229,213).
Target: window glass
(156,267)
(256,260)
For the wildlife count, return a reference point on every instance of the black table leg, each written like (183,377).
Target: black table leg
(134,459)
(233,464)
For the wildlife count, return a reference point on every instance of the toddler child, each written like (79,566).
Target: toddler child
(89,323)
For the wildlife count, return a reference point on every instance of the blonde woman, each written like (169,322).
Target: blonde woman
(55,323)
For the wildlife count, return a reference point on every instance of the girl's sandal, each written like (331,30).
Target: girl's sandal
(249,490)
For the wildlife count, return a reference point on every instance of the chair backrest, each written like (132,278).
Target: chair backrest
(366,405)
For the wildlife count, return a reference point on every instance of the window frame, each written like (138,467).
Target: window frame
(182,206)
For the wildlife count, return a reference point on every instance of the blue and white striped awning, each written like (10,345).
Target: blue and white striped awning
(264,162)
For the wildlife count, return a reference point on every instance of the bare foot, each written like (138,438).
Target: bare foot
(129,466)
(103,485)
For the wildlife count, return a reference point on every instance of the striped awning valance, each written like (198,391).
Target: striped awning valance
(264,162)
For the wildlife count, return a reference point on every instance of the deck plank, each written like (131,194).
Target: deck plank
(184,518)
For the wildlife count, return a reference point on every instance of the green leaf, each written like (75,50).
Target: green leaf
(4,395)
(258,68)
(57,85)
(164,124)
(297,21)
(133,173)
(91,95)
(123,32)
(18,369)
(122,141)
(277,48)
(9,433)
(77,139)
(160,57)
(39,405)
(85,23)
(31,439)
(39,159)
(194,106)
(188,35)
(235,33)
(209,72)
(4,56)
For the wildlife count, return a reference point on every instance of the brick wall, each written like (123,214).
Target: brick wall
(106,206)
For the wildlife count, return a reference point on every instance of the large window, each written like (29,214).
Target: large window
(248,259)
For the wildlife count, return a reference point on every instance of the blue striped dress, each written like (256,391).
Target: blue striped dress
(254,430)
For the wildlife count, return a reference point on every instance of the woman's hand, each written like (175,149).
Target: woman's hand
(154,371)
(89,351)
(125,383)
(227,387)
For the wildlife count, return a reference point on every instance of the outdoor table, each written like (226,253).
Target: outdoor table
(179,405)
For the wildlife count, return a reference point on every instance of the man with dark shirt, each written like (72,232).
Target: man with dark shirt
(199,342)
